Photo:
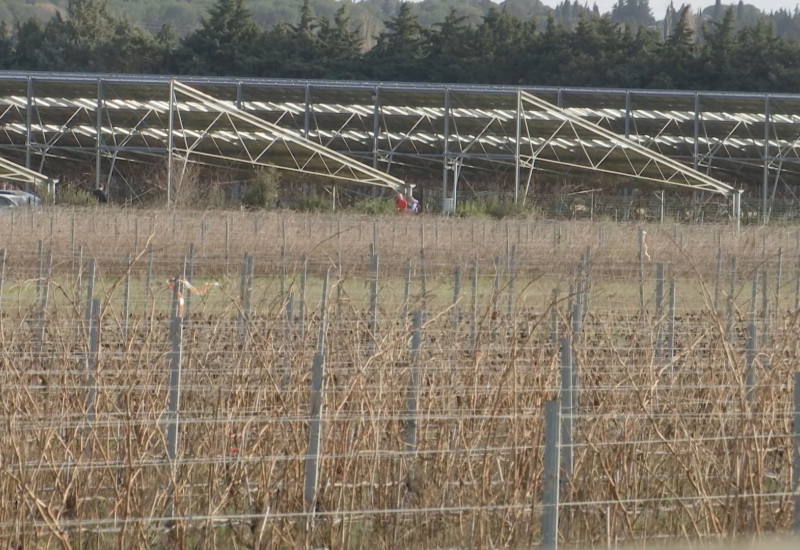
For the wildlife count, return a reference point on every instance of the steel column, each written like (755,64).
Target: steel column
(696,153)
(446,145)
(765,183)
(98,164)
(170,142)
(516,150)
(28,125)
(627,115)
(307,114)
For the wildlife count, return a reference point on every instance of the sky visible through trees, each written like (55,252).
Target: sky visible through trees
(659,7)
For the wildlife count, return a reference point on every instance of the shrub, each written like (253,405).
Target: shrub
(374,206)
(263,191)
(493,207)
(314,203)
(72,196)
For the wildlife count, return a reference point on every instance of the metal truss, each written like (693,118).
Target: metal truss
(11,171)
(601,150)
(218,132)
(389,133)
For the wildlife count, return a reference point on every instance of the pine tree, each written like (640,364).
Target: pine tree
(400,49)
(453,52)
(225,43)
(6,47)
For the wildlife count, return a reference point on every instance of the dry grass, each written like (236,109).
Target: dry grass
(662,449)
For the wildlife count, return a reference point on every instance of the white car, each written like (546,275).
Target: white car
(19,198)
(7,202)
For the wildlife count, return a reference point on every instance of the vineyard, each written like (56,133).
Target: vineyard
(271,380)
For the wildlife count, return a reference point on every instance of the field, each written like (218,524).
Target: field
(314,394)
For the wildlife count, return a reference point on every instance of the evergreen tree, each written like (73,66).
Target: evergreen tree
(225,43)
(759,61)
(678,67)
(718,52)
(337,41)
(503,40)
(452,55)
(600,52)
(549,57)
(6,47)
(401,48)
(29,49)
(633,12)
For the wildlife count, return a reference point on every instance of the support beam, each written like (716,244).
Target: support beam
(309,157)
(445,147)
(765,181)
(669,171)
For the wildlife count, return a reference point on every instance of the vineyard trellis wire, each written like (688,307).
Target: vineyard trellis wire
(422,371)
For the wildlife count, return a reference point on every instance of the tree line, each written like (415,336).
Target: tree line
(728,49)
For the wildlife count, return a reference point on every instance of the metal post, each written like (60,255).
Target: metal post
(473,326)
(422,275)
(671,324)
(373,302)
(731,304)
(765,182)
(283,274)
(126,299)
(729,321)
(307,112)
(413,385)
(567,411)
(659,291)
(696,149)
(315,426)
(39,269)
(797,283)
(246,297)
(302,305)
(641,271)
(28,127)
(99,137)
(406,292)
(517,146)
(796,454)
(778,277)
(45,292)
(446,146)
(765,306)
(554,316)
(89,292)
(511,276)
(750,358)
(577,314)
(551,482)
(91,360)
(718,274)
(227,244)
(190,279)
(2,281)
(148,281)
(737,209)
(456,295)
(170,140)
(659,311)
(173,405)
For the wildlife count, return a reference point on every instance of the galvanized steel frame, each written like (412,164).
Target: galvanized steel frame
(408,129)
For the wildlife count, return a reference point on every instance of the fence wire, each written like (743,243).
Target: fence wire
(680,340)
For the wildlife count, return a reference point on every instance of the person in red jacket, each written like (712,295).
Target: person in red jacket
(401,203)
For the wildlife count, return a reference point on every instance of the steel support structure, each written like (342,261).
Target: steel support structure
(11,171)
(400,129)
(616,155)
